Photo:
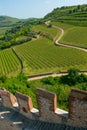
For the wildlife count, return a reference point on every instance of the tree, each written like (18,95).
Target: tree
(70,11)
(71,78)
(73,75)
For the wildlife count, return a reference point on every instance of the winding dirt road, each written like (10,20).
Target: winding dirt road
(30,78)
(66,45)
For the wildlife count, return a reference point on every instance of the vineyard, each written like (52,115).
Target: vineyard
(76,36)
(42,56)
(73,35)
(9,63)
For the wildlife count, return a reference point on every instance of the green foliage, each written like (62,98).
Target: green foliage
(82,85)
(20,83)
(12,28)
(49,81)
(18,32)
(73,78)
(73,75)
(82,78)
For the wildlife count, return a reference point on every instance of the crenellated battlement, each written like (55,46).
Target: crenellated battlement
(47,107)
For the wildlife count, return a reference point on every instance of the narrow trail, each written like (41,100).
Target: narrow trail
(66,45)
(41,76)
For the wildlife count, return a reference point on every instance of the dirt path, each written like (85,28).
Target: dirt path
(45,76)
(59,44)
(66,45)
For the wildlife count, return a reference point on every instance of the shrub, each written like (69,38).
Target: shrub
(49,81)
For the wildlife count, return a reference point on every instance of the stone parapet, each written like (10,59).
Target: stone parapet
(78,108)
(47,107)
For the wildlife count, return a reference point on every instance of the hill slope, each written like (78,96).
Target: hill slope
(6,21)
(75,15)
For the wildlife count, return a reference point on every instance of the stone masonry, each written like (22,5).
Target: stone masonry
(78,108)
(47,107)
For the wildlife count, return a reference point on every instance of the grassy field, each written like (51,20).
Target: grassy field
(9,63)
(73,35)
(42,56)
(50,32)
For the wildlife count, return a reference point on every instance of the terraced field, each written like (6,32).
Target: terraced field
(78,18)
(42,56)
(9,63)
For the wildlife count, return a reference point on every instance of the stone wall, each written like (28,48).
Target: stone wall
(25,104)
(78,108)
(47,107)
(8,99)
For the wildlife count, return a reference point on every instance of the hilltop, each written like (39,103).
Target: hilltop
(6,21)
(75,15)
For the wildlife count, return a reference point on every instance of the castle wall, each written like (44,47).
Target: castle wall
(25,104)
(78,108)
(47,107)
(8,99)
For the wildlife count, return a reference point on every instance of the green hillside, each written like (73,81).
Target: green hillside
(75,15)
(6,21)
(15,31)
